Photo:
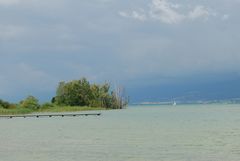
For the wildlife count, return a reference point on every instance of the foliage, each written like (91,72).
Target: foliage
(82,93)
(74,93)
(77,95)
(21,110)
(47,106)
(68,109)
(119,99)
(30,102)
(12,106)
(6,105)
(15,111)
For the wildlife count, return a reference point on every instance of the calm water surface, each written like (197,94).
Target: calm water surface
(139,133)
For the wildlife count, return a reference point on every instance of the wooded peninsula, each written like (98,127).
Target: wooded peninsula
(76,95)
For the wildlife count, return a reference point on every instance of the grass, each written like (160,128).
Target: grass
(69,109)
(55,109)
(15,111)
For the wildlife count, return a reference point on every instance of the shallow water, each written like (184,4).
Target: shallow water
(139,133)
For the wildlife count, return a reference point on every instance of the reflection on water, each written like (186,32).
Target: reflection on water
(140,133)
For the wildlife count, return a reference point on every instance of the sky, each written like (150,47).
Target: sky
(156,49)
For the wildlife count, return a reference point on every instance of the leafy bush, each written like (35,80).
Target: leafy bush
(82,93)
(6,105)
(47,106)
(30,102)
(12,106)
(74,93)
(15,111)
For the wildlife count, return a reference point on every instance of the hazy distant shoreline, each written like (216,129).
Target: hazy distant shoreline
(230,101)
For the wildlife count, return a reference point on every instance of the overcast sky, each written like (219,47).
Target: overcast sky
(140,44)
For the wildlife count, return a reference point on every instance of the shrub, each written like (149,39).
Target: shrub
(82,93)
(12,106)
(4,104)
(47,105)
(30,102)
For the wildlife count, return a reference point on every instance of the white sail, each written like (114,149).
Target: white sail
(174,103)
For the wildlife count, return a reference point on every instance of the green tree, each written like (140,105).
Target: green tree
(74,93)
(6,105)
(82,93)
(60,94)
(30,102)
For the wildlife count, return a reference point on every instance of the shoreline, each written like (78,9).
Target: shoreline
(55,109)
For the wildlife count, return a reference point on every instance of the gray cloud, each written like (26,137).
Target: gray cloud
(9,2)
(44,42)
(170,13)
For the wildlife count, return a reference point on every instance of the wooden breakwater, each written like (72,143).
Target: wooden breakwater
(49,115)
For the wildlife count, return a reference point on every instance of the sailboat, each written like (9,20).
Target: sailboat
(174,103)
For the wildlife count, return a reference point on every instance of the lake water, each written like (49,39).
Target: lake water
(139,133)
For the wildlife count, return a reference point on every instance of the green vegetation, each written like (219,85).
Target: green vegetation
(77,95)
(69,109)
(15,111)
(6,105)
(82,93)
(21,110)
(30,102)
